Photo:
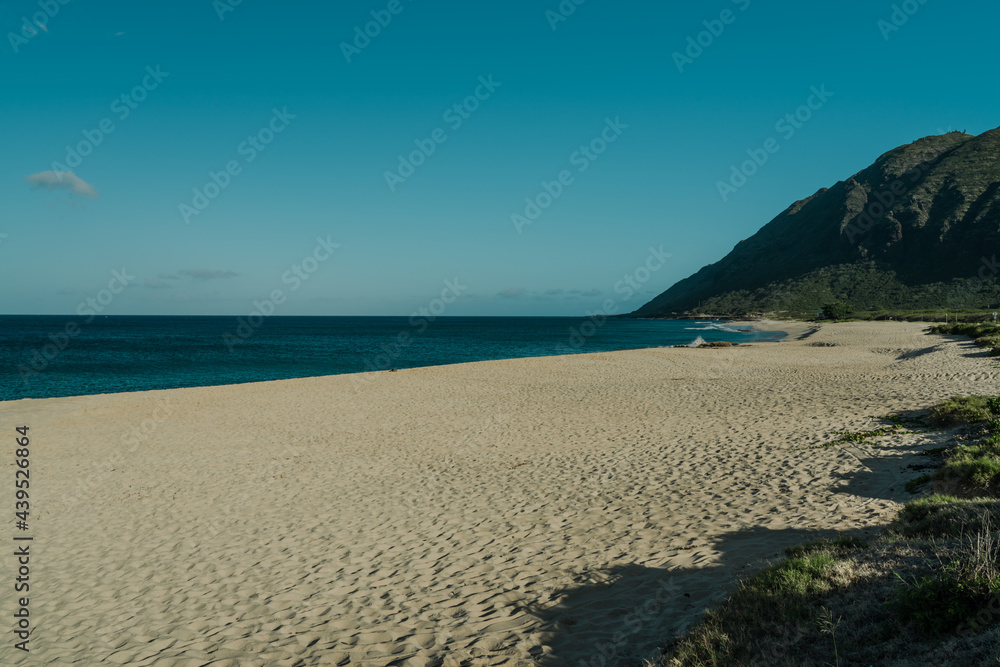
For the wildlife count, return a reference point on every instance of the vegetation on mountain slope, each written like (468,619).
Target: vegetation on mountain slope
(919,229)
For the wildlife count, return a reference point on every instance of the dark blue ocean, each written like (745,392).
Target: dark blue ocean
(45,356)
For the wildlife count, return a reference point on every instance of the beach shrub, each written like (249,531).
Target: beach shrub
(971,475)
(972,470)
(985,334)
(971,329)
(837,310)
(988,341)
(984,472)
(963,410)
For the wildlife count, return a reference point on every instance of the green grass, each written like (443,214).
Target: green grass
(862,436)
(896,425)
(769,603)
(983,472)
(944,516)
(965,410)
(939,603)
(973,315)
(828,626)
(970,329)
(914,421)
(795,576)
(969,475)
(973,470)
(988,341)
(835,547)
(947,543)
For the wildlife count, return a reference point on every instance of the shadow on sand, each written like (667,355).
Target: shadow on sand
(972,350)
(885,477)
(913,354)
(626,614)
(809,333)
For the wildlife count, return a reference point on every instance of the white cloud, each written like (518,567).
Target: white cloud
(513,293)
(53,180)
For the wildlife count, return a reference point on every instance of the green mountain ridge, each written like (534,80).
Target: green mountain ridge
(918,229)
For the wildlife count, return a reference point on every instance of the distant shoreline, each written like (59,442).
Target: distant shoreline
(792,328)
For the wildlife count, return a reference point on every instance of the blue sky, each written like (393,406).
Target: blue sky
(220,83)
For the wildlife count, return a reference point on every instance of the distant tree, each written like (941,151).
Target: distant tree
(837,311)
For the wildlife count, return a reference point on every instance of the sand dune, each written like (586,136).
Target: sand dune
(521,512)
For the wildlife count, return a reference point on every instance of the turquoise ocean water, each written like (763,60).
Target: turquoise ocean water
(46,356)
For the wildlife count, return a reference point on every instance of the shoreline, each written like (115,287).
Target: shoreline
(793,329)
(496,511)
(790,328)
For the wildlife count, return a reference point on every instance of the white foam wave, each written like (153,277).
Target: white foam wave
(714,326)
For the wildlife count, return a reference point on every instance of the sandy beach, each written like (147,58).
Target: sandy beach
(519,512)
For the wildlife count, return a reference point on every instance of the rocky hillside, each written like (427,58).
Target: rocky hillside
(917,229)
